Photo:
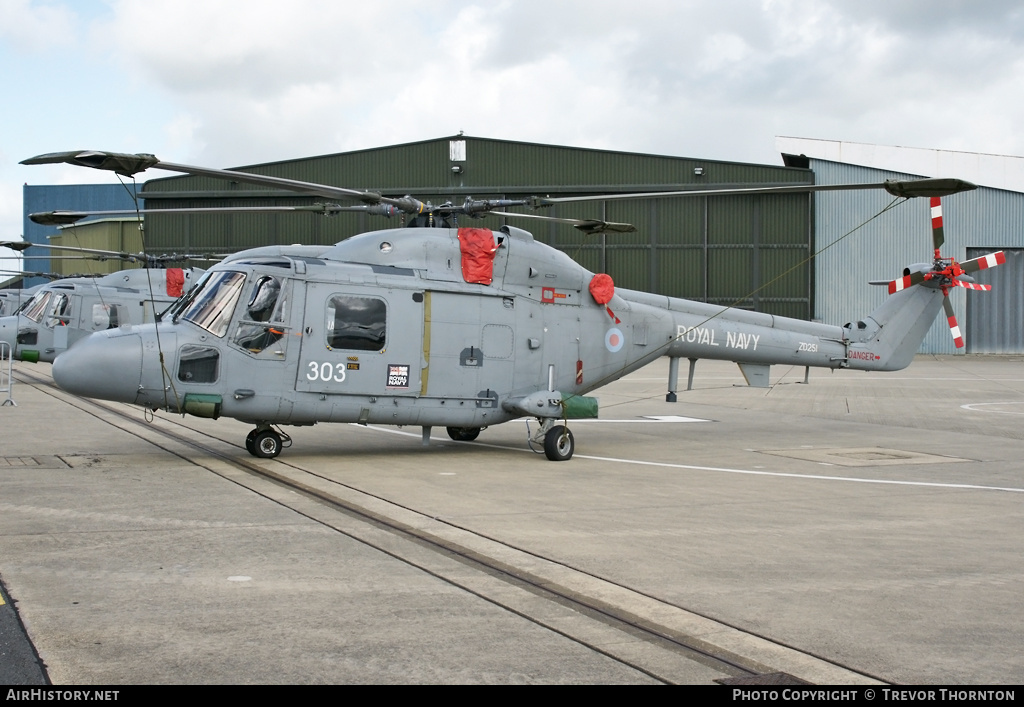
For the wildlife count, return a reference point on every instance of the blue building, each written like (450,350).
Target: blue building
(67,197)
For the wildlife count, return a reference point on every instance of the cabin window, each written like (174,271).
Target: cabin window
(106,316)
(198,364)
(212,303)
(358,323)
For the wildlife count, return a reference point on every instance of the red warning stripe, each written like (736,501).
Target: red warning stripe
(936,212)
(958,338)
(991,260)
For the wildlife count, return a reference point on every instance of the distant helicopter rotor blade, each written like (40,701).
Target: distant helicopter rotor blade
(148,259)
(62,218)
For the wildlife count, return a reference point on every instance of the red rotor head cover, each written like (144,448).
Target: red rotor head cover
(602,289)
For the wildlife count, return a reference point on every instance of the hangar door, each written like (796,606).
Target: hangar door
(994,324)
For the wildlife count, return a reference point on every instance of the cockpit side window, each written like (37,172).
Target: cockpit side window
(37,305)
(358,323)
(263,320)
(212,303)
(59,311)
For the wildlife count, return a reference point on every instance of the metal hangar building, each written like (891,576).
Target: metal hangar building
(724,250)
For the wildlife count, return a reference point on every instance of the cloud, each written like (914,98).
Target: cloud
(34,27)
(233,83)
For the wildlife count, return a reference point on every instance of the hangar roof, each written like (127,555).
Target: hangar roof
(995,171)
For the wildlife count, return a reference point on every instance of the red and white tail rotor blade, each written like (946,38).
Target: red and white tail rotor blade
(906,281)
(938,238)
(954,328)
(984,262)
(973,286)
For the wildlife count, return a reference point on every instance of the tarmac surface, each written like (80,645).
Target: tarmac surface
(862,528)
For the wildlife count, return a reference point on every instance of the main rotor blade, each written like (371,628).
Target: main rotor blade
(907,189)
(589,226)
(131,164)
(124,164)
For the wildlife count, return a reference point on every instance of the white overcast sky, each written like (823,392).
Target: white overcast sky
(223,83)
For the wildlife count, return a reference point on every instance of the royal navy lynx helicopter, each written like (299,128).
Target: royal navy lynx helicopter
(67,310)
(11,300)
(450,326)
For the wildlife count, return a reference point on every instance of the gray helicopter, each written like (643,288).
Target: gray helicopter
(65,311)
(446,326)
(11,300)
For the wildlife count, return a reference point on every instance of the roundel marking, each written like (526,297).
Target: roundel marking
(614,339)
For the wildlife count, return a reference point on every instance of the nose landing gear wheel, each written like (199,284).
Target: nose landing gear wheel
(559,444)
(250,442)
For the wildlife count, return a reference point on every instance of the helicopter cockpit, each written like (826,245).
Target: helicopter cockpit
(47,308)
(261,302)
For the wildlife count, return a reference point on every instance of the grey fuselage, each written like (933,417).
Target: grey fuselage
(385,328)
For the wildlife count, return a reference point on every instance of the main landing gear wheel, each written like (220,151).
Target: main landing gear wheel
(266,444)
(463,434)
(559,444)
(250,442)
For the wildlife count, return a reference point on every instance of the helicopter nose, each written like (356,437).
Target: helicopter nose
(106,365)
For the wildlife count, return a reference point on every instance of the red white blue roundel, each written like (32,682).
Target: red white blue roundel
(614,339)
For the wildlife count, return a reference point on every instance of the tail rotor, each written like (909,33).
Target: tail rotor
(947,272)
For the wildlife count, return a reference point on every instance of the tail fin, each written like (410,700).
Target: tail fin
(889,337)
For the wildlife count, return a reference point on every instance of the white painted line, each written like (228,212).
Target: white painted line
(648,418)
(853,479)
(725,470)
(976,407)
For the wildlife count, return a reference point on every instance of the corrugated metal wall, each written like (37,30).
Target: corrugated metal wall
(119,235)
(994,319)
(718,249)
(854,249)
